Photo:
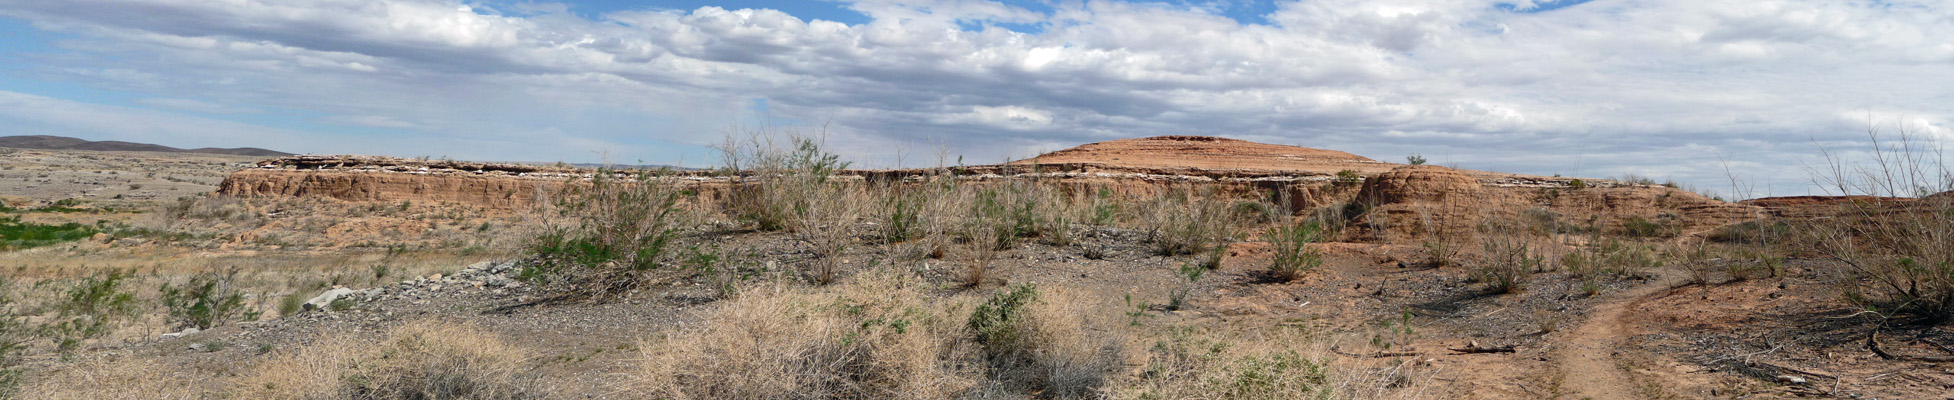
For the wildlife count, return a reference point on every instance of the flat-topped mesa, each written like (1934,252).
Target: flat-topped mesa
(1209,153)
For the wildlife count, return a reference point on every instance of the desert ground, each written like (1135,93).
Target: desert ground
(1155,268)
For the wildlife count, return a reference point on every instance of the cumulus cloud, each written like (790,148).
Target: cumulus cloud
(1651,87)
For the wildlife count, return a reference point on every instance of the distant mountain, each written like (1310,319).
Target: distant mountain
(44,142)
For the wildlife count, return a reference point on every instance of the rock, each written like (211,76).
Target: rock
(498,281)
(198,347)
(326,299)
(434,278)
(1795,380)
(178,334)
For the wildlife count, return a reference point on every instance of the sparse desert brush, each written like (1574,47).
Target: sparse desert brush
(1047,342)
(1511,254)
(879,335)
(1189,362)
(1897,250)
(423,360)
(1183,222)
(207,300)
(826,224)
(873,337)
(774,181)
(1293,257)
(126,378)
(621,226)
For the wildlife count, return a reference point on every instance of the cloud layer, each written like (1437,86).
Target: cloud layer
(1657,88)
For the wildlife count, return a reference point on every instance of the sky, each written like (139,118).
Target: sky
(1699,92)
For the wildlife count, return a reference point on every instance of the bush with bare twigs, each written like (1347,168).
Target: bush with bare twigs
(1897,244)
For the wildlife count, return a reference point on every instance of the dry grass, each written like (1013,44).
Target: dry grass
(870,338)
(875,336)
(128,378)
(427,360)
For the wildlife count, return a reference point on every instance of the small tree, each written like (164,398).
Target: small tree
(1415,159)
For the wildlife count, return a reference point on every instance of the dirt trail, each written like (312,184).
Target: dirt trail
(1587,363)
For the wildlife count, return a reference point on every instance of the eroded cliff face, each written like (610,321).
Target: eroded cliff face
(1397,204)
(499,192)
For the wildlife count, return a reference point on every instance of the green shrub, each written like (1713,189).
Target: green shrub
(1349,177)
(208,300)
(1000,323)
(1178,298)
(1643,227)
(623,225)
(1293,257)
(903,219)
(1415,159)
(91,309)
(1105,211)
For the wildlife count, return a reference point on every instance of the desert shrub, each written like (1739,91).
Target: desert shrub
(1184,223)
(15,235)
(1414,159)
(1663,226)
(873,337)
(1766,231)
(776,182)
(1191,363)
(425,360)
(1897,251)
(902,214)
(1334,218)
(1509,259)
(208,300)
(1610,256)
(1105,209)
(1178,297)
(91,309)
(1293,257)
(826,225)
(1577,184)
(1349,177)
(1544,221)
(1000,323)
(621,226)
(1043,345)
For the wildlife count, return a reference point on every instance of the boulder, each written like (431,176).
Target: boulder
(326,299)
(182,333)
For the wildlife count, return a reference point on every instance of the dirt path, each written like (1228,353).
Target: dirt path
(1587,363)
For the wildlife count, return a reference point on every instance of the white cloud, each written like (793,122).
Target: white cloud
(195,106)
(1602,87)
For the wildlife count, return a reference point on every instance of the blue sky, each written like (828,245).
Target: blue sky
(1660,88)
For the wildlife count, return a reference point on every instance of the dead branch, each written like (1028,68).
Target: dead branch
(1380,354)
(1475,348)
(1872,343)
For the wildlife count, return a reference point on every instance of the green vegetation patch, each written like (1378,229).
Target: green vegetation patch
(16,235)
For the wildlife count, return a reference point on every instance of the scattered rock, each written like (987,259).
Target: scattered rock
(1795,380)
